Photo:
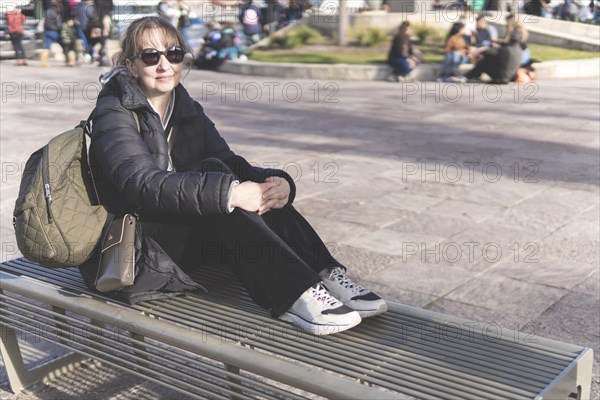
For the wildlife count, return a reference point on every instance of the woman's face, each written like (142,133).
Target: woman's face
(160,79)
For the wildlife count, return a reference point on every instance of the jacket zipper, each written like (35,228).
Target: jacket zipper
(46,181)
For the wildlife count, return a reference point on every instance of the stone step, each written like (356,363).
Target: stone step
(427,72)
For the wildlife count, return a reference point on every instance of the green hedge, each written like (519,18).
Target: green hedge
(296,38)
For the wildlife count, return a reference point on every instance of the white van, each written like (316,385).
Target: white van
(126,11)
(331,7)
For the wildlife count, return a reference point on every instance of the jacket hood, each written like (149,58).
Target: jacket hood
(120,82)
(104,78)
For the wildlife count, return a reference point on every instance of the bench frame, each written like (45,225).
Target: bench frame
(574,380)
(144,326)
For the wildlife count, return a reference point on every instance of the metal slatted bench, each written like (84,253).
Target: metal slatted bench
(221,345)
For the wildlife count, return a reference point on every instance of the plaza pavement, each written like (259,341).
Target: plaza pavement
(476,201)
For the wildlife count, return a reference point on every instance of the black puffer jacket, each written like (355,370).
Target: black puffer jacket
(130,169)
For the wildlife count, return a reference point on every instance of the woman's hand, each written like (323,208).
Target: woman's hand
(248,195)
(276,195)
(261,197)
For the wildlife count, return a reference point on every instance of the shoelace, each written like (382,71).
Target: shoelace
(340,276)
(321,294)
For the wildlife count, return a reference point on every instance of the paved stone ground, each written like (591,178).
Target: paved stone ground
(476,201)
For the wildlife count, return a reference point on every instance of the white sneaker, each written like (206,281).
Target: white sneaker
(353,295)
(318,312)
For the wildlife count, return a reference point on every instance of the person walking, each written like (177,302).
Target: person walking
(15,20)
(52,30)
(105,11)
(199,203)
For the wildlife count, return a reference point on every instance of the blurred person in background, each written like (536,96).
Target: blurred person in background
(169,11)
(273,14)
(85,13)
(501,63)
(456,50)
(539,8)
(293,12)
(484,37)
(69,38)
(516,34)
(252,19)
(401,56)
(52,30)
(105,10)
(15,20)
(184,22)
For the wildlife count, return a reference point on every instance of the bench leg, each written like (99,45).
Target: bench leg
(139,349)
(584,375)
(234,370)
(19,377)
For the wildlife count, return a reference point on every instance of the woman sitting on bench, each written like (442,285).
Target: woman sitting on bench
(199,203)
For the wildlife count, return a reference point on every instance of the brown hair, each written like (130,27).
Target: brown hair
(403,27)
(513,25)
(402,33)
(133,42)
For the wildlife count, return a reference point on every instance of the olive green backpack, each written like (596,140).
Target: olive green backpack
(57,218)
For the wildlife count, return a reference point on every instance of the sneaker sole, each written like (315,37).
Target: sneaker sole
(372,312)
(318,329)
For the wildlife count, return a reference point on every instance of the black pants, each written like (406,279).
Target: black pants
(16,39)
(276,256)
(500,64)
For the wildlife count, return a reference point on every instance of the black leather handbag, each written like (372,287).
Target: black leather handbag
(117,259)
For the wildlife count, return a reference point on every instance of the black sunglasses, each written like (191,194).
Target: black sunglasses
(173,54)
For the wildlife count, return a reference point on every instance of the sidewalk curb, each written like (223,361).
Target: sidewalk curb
(588,68)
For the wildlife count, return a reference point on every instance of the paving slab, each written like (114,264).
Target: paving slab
(507,295)
(474,211)
(575,248)
(573,319)
(399,295)
(362,263)
(383,138)
(590,286)
(337,231)
(405,201)
(486,316)
(424,223)
(483,245)
(412,178)
(545,212)
(395,243)
(363,213)
(428,278)
(546,271)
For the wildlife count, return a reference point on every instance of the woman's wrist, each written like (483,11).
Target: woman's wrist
(230,205)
